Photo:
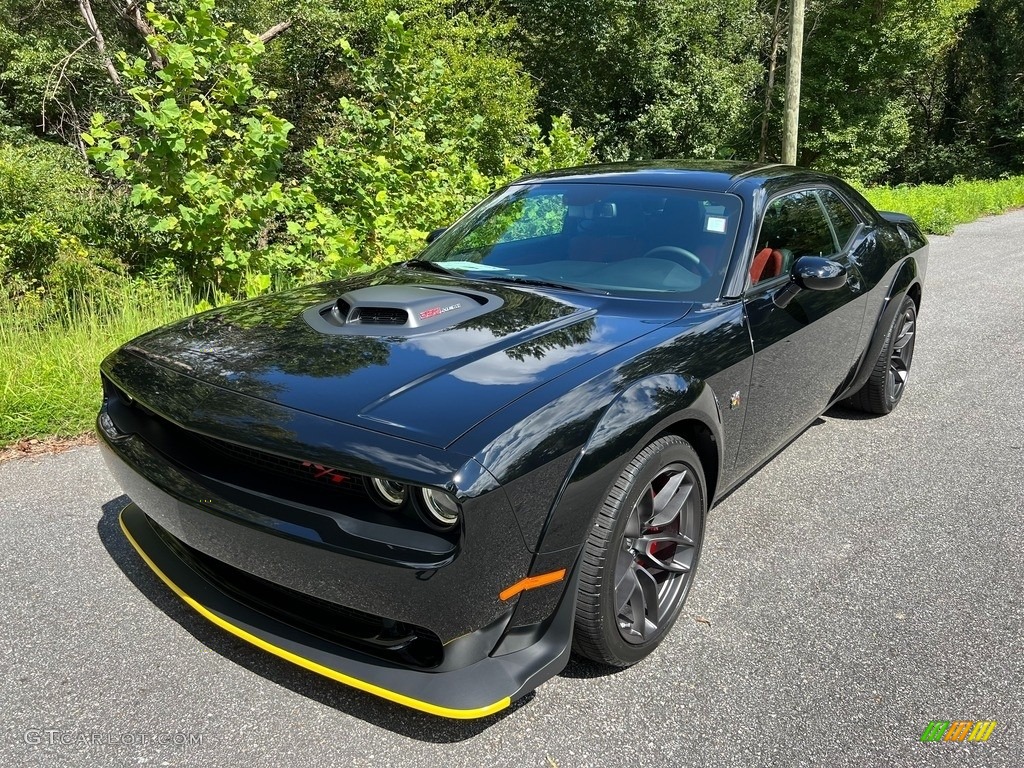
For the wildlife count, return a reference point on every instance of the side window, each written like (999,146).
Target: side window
(843,220)
(794,225)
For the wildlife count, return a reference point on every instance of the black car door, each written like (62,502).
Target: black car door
(804,351)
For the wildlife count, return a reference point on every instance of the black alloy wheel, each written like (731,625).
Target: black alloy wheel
(902,353)
(884,388)
(641,555)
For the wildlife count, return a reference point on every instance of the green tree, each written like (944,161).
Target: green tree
(646,79)
(981,127)
(397,164)
(58,229)
(204,149)
(474,43)
(866,72)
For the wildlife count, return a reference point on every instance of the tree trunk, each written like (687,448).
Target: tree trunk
(793,65)
(85,8)
(773,62)
(133,13)
(275,30)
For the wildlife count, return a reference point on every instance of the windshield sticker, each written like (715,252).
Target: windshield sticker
(470,266)
(715,224)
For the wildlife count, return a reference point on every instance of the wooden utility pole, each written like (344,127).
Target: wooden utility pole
(793,62)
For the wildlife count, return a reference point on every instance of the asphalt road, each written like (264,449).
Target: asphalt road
(867,581)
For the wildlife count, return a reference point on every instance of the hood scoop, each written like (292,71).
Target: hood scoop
(398,310)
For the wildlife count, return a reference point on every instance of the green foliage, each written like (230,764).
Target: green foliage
(480,69)
(48,380)
(50,77)
(54,220)
(397,164)
(939,208)
(647,79)
(982,116)
(867,70)
(204,149)
(204,154)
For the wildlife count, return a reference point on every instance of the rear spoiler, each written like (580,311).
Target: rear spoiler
(907,226)
(897,218)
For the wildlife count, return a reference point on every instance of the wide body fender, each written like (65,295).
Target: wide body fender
(653,406)
(646,409)
(907,280)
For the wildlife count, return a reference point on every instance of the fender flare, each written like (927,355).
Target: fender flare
(647,408)
(906,279)
(589,479)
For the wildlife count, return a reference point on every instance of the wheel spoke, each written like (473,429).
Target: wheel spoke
(905,337)
(625,586)
(638,611)
(669,501)
(650,614)
(658,548)
(649,544)
(900,357)
(633,526)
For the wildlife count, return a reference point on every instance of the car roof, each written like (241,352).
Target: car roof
(707,175)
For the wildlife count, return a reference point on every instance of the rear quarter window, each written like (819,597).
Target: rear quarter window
(843,220)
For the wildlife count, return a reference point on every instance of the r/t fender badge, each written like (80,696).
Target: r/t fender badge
(734,400)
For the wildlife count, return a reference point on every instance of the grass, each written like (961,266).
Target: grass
(49,384)
(939,208)
(49,373)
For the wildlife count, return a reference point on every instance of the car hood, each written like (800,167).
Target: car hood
(430,383)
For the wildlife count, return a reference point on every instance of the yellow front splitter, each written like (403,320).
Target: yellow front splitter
(408,687)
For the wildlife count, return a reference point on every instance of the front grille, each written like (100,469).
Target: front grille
(316,500)
(305,472)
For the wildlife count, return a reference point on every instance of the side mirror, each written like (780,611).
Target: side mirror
(817,274)
(434,234)
(811,273)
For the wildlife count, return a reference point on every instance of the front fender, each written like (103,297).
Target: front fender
(641,412)
(644,410)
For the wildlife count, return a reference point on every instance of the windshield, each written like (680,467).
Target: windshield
(609,238)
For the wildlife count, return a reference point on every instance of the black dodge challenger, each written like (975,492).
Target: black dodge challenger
(435,481)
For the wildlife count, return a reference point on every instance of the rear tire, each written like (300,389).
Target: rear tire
(641,555)
(884,389)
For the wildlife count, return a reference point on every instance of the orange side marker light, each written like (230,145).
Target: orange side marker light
(532,582)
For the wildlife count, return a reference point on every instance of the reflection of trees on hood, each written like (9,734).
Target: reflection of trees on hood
(523,311)
(573,336)
(244,342)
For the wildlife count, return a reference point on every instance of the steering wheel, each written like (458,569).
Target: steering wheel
(689,256)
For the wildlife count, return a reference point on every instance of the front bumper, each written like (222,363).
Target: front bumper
(484,658)
(473,691)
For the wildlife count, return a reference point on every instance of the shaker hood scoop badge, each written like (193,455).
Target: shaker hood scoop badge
(399,310)
(435,311)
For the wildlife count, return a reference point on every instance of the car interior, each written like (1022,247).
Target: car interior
(644,239)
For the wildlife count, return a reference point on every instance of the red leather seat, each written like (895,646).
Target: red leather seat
(767,264)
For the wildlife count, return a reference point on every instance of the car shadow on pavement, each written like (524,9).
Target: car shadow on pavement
(848,414)
(349,701)
(582,669)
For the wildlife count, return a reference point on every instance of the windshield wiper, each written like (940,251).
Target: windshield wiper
(427,266)
(520,280)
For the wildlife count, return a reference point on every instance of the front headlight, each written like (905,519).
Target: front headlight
(386,493)
(440,509)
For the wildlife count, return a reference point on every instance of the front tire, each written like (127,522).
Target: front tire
(884,389)
(641,555)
